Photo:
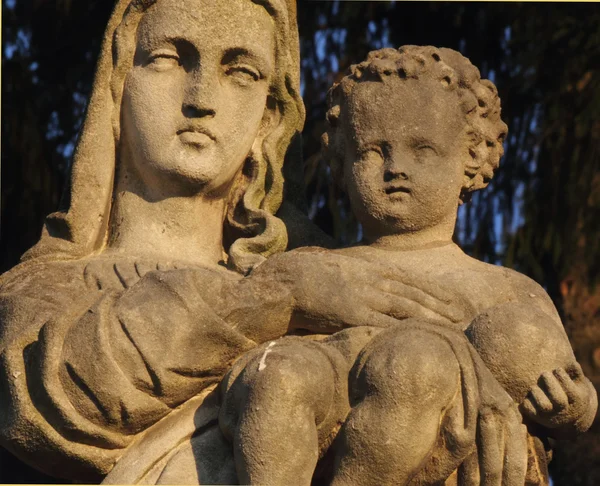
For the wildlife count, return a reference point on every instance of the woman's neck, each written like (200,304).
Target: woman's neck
(177,228)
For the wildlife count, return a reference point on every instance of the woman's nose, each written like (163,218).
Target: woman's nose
(201,94)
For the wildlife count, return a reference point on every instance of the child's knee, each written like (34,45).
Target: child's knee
(413,364)
(282,376)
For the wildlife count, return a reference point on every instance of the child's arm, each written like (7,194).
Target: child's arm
(525,347)
(563,400)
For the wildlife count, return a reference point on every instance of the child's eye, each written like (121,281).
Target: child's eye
(426,150)
(372,157)
(372,152)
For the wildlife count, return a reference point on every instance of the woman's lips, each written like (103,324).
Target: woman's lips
(197,138)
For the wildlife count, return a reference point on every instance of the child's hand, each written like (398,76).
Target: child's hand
(563,399)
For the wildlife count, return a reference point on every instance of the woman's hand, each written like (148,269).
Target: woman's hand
(501,456)
(564,400)
(331,292)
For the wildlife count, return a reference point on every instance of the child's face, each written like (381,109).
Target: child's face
(405,147)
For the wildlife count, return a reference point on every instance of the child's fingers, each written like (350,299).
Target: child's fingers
(384,303)
(528,408)
(540,400)
(554,391)
(419,282)
(567,384)
(377,319)
(376,308)
(99,275)
(394,306)
(370,309)
(127,274)
(575,371)
(142,268)
(402,308)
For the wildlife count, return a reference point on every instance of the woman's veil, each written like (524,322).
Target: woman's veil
(80,227)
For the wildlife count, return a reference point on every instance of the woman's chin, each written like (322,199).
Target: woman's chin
(195,182)
(178,180)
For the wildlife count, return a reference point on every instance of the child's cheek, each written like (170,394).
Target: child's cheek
(364,188)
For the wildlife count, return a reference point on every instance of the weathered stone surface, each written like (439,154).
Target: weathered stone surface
(158,334)
(452,369)
(114,320)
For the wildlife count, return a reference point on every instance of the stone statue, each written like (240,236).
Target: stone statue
(119,324)
(157,333)
(474,388)
(122,312)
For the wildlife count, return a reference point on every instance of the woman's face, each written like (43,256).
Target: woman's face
(196,95)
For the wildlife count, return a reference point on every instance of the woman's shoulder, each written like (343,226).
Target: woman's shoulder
(101,272)
(52,273)
(33,292)
(54,279)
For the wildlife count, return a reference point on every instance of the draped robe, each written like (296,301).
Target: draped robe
(95,351)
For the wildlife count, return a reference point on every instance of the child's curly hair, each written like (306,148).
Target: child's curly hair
(478,98)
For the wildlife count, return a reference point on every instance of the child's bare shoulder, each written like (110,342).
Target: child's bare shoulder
(515,286)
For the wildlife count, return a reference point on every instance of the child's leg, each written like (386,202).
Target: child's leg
(400,392)
(280,403)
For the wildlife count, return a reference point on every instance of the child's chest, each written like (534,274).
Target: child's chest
(465,283)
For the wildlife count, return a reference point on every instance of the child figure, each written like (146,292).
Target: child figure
(412,133)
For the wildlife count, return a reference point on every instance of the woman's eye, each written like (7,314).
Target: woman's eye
(243,74)
(164,61)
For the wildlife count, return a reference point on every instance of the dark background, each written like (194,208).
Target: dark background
(540,215)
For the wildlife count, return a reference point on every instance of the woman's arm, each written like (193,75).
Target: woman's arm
(330,292)
(93,354)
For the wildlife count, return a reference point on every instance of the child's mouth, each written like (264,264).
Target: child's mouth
(397,189)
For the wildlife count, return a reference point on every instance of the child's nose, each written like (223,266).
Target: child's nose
(396,167)
(393,174)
